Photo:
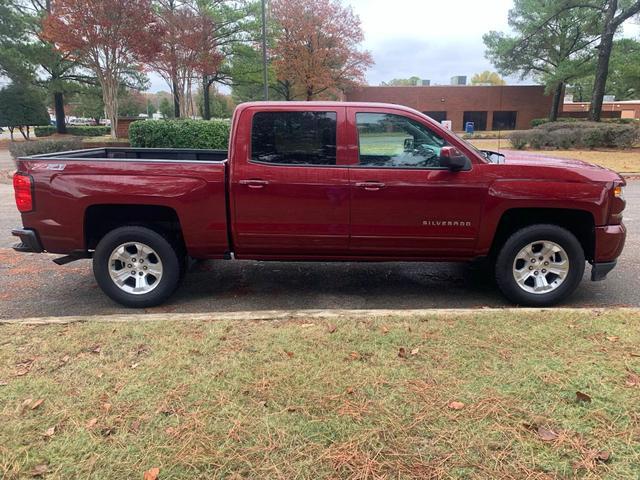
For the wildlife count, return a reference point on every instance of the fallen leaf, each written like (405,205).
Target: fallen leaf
(95,349)
(107,431)
(152,474)
(354,356)
(546,435)
(582,397)
(39,470)
(385,330)
(613,338)
(292,409)
(22,372)
(633,354)
(350,390)
(135,426)
(37,403)
(3,383)
(603,456)
(106,407)
(24,405)
(92,423)
(49,432)
(134,365)
(402,353)
(415,351)
(633,380)
(289,354)
(331,328)
(456,405)
(65,359)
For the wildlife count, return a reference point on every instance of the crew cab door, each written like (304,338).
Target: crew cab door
(289,186)
(403,201)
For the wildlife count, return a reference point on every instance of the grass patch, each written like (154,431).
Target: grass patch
(622,161)
(353,399)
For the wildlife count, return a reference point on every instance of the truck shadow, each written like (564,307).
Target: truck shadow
(249,285)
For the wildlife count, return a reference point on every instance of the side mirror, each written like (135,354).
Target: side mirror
(452,158)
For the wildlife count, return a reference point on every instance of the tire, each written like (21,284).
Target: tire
(136,266)
(519,268)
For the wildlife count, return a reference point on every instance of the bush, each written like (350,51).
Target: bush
(536,122)
(37,147)
(519,140)
(564,138)
(79,131)
(207,134)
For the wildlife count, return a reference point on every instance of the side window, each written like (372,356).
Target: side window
(387,140)
(294,138)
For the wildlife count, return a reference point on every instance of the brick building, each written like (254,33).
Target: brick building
(505,107)
(622,109)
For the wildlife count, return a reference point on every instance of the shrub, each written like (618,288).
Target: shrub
(519,140)
(564,138)
(22,107)
(537,139)
(37,147)
(593,137)
(79,130)
(208,134)
(536,122)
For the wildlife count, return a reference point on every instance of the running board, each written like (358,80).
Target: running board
(72,257)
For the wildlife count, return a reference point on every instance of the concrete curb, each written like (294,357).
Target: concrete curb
(307,315)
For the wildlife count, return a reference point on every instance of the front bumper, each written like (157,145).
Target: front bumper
(29,241)
(609,244)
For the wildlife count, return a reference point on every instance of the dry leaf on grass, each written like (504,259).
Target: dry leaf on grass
(152,474)
(49,432)
(402,352)
(66,359)
(633,379)
(3,383)
(95,349)
(331,328)
(385,330)
(415,351)
(39,470)
(613,338)
(289,354)
(456,405)
(37,403)
(546,435)
(582,397)
(92,423)
(105,407)
(603,456)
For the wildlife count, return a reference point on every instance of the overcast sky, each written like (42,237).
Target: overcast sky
(431,39)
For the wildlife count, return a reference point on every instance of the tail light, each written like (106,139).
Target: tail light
(23,188)
(617,204)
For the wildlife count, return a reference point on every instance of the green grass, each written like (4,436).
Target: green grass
(295,399)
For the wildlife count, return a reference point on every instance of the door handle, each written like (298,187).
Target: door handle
(371,186)
(254,183)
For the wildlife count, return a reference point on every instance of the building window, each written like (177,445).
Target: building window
(438,116)
(504,120)
(294,138)
(479,120)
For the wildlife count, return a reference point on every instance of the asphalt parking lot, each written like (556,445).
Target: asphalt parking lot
(31,285)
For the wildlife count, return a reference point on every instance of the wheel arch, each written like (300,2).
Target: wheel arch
(580,223)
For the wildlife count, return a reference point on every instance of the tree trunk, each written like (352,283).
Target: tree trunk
(11,132)
(557,101)
(58,104)
(602,67)
(176,98)
(206,108)
(110,99)
(309,94)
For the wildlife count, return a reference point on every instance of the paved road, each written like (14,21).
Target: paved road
(32,285)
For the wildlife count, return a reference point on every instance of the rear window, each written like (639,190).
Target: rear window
(294,138)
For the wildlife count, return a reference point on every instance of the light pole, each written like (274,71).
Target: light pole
(265,76)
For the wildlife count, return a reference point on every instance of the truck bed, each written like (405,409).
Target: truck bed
(76,190)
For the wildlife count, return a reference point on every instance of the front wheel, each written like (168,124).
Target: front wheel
(540,265)
(136,266)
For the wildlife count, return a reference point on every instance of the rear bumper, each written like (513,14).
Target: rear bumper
(29,241)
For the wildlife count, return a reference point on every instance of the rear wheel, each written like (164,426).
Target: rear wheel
(540,265)
(136,266)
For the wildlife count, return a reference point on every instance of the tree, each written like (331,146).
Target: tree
(402,82)
(131,103)
(25,57)
(166,109)
(88,103)
(220,106)
(614,13)
(487,78)
(188,48)
(111,38)
(22,107)
(317,46)
(550,42)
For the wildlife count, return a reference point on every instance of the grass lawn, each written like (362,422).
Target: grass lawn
(479,395)
(622,161)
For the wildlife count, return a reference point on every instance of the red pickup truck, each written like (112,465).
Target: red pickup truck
(322,181)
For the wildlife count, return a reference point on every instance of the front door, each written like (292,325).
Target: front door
(291,194)
(403,202)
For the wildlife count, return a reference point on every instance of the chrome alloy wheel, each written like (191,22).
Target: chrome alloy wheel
(135,268)
(541,267)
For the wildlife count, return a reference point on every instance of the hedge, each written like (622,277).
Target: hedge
(37,147)
(582,134)
(207,134)
(80,130)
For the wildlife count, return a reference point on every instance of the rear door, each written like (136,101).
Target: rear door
(403,202)
(290,186)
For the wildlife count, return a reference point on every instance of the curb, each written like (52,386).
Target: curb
(308,315)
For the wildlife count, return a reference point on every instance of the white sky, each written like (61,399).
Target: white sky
(431,39)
